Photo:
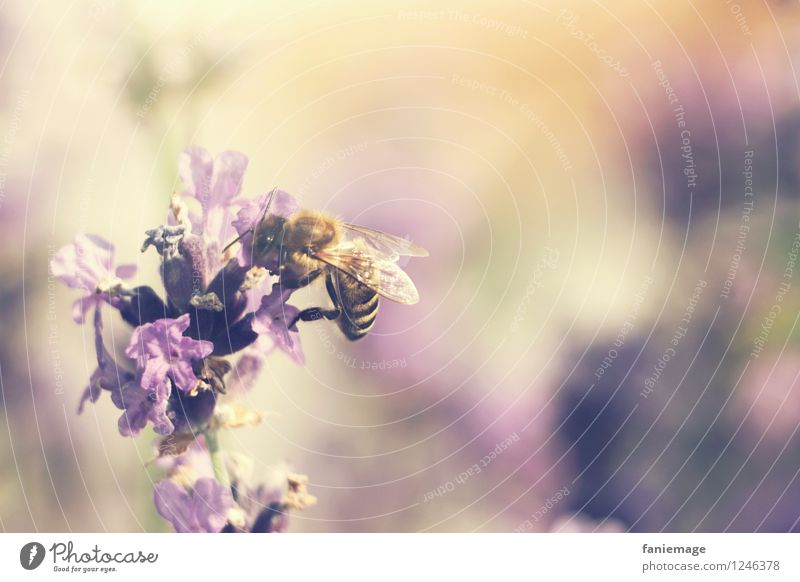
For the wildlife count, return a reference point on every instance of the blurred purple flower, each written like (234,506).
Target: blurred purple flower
(88,264)
(245,372)
(579,523)
(264,509)
(271,322)
(160,350)
(203,510)
(265,506)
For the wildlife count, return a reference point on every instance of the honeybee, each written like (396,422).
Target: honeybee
(359,265)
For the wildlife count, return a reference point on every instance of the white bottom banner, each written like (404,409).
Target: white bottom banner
(404,557)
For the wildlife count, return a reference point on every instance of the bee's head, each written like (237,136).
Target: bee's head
(267,238)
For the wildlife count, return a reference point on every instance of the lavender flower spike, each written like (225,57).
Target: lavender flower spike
(161,350)
(176,377)
(88,264)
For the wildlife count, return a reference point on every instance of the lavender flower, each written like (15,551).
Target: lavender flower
(88,264)
(175,373)
(161,351)
(255,507)
(245,372)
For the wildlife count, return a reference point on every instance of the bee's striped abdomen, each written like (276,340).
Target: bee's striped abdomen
(359,305)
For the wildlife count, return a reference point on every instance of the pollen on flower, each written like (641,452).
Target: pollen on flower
(254,278)
(180,211)
(297,496)
(208,301)
(234,415)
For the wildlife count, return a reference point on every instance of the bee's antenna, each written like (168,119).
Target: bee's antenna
(269,201)
(263,216)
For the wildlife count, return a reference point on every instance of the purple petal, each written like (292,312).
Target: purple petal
(94,259)
(154,373)
(182,323)
(256,294)
(107,375)
(140,406)
(294,350)
(252,211)
(226,182)
(204,510)
(160,350)
(214,182)
(174,504)
(275,301)
(63,266)
(90,394)
(217,232)
(126,271)
(184,376)
(84,264)
(195,168)
(284,204)
(211,502)
(93,390)
(244,373)
(81,307)
(248,216)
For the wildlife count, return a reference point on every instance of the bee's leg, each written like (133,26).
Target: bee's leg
(300,281)
(315,314)
(333,291)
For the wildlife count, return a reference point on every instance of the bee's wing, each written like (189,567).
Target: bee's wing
(379,272)
(385,242)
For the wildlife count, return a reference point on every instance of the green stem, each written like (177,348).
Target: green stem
(217,461)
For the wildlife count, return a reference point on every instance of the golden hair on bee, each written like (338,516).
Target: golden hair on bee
(307,233)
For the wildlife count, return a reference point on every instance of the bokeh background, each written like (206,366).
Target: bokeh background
(609,194)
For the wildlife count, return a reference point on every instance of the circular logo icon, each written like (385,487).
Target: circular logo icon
(31,555)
